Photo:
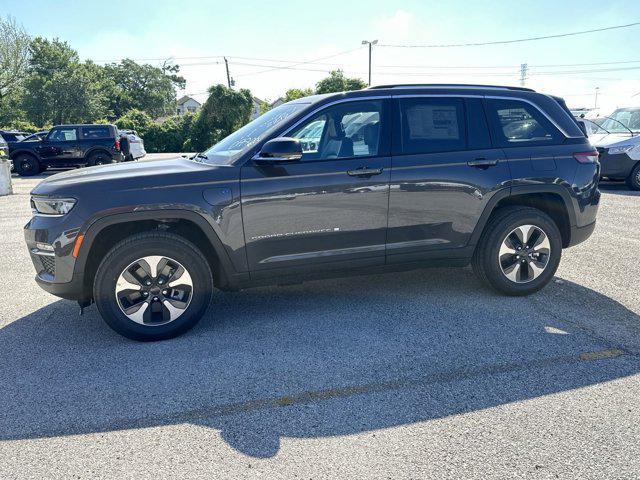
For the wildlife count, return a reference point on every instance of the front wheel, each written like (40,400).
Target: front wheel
(153,286)
(26,165)
(519,251)
(633,180)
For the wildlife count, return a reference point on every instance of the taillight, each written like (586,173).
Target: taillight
(117,145)
(586,157)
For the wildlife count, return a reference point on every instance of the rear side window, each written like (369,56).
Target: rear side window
(431,125)
(99,131)
(515,123)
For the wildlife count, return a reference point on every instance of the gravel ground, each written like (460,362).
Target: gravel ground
(412,375)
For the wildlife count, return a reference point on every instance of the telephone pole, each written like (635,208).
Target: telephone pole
(371,44)
(226,65)
(524,68)
(595,103)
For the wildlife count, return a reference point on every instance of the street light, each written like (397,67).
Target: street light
(371,44)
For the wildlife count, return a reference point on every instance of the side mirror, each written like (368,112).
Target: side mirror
(281,149)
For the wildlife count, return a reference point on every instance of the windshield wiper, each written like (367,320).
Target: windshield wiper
(200,155)
(618,121)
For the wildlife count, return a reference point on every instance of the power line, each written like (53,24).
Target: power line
(519,40)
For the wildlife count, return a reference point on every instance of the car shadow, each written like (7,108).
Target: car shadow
(322,359)
(617,188)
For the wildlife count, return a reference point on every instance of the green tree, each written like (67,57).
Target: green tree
(135,120)
(225,111)
(60,89)
(296,93)
(14,55)
(337,82)
(143,87)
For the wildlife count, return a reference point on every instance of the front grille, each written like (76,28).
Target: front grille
(48,264)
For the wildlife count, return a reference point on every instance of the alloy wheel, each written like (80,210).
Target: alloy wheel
(524,253)
(154,290)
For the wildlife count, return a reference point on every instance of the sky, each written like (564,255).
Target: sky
(274,46)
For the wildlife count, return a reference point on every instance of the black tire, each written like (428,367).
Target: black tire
(633,180)
(26,165)
(486,264)
(99,158)
(138,246)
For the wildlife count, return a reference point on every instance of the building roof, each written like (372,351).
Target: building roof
(186,98)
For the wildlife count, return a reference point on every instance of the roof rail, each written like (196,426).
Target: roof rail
(451,85)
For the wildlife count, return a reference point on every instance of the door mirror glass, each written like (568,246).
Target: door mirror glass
(280,149)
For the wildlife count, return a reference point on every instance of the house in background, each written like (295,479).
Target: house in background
(260,106)
(188,104)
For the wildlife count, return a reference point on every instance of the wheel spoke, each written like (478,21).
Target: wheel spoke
(174,311)
(136,313)
(512,272)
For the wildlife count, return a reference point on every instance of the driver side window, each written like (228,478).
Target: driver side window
(346,130)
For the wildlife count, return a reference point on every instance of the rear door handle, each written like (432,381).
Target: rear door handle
(482,162)
(364,172)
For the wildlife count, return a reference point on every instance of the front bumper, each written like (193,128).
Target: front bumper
(617,166)
(55,269)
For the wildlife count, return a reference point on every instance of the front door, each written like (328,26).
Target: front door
(60,146)
(444,173)
(329,209)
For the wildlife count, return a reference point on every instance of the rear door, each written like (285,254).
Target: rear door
(60,146)
(329,209)
(95,135)
(444,172)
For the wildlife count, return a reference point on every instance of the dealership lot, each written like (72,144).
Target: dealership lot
(410,375)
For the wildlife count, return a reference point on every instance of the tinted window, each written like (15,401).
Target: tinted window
(99,131)
(63,134)
(517,123)
(347,130)
(430,125)
(477,127)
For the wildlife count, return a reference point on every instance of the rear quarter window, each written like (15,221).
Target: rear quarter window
(515,123)
(97,132)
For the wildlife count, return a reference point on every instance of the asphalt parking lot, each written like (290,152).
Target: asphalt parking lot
(416,375)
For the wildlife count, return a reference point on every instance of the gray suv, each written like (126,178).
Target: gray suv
(383,179)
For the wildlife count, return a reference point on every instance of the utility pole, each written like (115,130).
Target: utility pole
(371,44)
(595,103)
(226,65)
(524,68)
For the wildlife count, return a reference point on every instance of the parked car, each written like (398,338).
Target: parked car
(136,145)
(67,146)
(432,175)
(12,135)
(4,149)
(618,141)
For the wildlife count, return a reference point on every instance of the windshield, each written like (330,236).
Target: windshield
(236,144)
(621,118)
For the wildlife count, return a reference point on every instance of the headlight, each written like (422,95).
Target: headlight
(55,207)
(620,149)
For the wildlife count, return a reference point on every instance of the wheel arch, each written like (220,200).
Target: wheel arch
(13,155)
(104,233)
(554,200)
(94,150)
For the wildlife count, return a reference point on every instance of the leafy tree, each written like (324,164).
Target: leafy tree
(135,120)
(143,87)
(225,111)
(14,55)
(296,93)
(60,89)
(337,82)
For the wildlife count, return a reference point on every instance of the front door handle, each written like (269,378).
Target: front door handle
(364,172)
(482,162)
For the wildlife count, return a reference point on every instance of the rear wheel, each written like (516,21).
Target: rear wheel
(153,286)
(519,251)
(99,158)
(26,165)
(633,180)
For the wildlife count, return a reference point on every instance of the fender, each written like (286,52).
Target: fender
(15,153)
(93,230)
(522,190)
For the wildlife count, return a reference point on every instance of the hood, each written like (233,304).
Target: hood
(613,139)
(131,176)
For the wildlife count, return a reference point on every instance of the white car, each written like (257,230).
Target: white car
(136,145)
(617,139)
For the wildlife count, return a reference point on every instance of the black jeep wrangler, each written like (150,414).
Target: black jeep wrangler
(67,146)
(387,178)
